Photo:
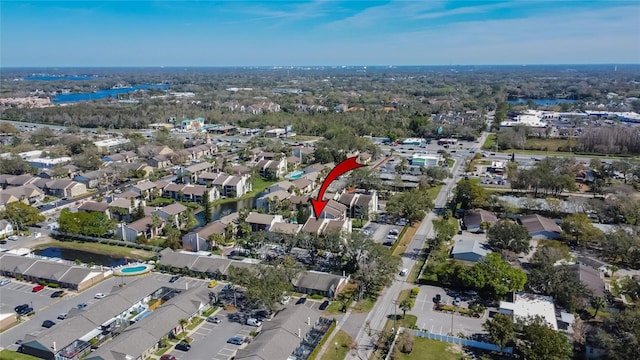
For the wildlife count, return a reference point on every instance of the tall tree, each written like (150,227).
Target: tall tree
(597,302)
(579,228)
(500,330)
(620,335)
(206,207)
(21,215)
(405,305)
(540,342)
(509,235)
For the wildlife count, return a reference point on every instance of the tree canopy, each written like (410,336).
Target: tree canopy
(411,205)
(509,235)
(21,215)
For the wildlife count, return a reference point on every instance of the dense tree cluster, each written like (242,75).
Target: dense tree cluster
(93,223)
(620,335)
(509,235)
(551,175)
(21,215)
(411,205)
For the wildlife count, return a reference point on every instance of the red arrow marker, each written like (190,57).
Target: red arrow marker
(347,165)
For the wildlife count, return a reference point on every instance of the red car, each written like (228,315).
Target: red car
(37,288)
(167,357)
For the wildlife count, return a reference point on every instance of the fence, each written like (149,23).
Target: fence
(461,341)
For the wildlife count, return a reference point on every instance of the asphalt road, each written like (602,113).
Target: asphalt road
(385,305)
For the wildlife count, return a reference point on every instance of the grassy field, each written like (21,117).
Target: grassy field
(259,185)
(553,144)
(489,142)
(97,248)
(340,351)
(364,305)
(405,239)
(432,192)
(12,355)
(427,349)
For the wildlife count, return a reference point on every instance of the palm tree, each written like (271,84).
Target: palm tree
(183,322)
(405,305)
(613,269)
(597,303)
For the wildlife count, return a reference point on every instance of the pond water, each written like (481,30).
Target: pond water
(85,257)
(222,210)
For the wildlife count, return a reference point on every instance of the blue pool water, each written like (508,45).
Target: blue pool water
(103,94)
(128,270)
(294,175)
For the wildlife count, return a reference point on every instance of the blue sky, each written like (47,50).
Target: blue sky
(317,32)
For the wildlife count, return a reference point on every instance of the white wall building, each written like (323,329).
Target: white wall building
(526,306)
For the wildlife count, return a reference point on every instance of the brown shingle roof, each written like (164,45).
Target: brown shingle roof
(536,223)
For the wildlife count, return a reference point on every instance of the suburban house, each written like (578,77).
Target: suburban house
(473,219)
(266,200)
(92,206)
(65,188)
(325,284)
(6,199)
(540,226)
(198,240)
(360,206)
(144,189)
(285,228)
(304,185)
(526,306)
(334,210)
(20,180)
(262,222)
(192,193)
(231,186)
(171,213)
(138,228)
(121,209)
(305,154)
(272,169)
(469,250)
(126,156)
(29,194)
(189,174)
(6,229)
(326,226)
(591,278)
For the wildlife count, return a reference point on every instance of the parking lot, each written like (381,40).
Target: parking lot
(47,308)
(379,231)
(210,341)
(441,322)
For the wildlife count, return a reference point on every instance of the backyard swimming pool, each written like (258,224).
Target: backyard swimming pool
(134,269)
(294,175)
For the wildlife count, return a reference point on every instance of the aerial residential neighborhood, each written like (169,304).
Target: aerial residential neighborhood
(319,180)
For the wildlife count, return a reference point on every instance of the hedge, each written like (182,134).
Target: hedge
(323,341)
(53,285)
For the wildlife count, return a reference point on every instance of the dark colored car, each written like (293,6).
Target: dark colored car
(57,294)
(48,323)
(302,300)
(174,279)
(82,306)
(324,305)
(25,311)
(167,357)
(183,346)
(437,299)
(235,340)
(20,307)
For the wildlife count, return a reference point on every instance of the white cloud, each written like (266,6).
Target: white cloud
(374,15)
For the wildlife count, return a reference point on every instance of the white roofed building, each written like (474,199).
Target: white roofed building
(526,306)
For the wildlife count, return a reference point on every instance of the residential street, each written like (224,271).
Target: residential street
(386,302)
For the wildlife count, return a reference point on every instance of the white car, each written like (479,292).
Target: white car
(285,300)
(404,272)
(254,322)
(99,296)
(4,282)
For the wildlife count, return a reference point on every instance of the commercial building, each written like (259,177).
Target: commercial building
(526,306)
(46,163)
(413,142)
(196,124)
(110,145)
(425,160)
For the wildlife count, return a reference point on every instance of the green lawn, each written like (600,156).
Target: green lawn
(160,201)
(98,248)
(12,355)
(334,308)
(259,184)
(364,305)
(451,162)
(427,349)
(432,192)
(338,352)
(489,142)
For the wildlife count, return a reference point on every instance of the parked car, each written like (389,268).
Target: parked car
(3,241)
(26,311)
(285,300)
(99,296)
(214,319)
(4,282)
(183,346)
(174,278)
(404,272)
(302,300)
(37,288)
(57,294)
(235,340)
(20,307)
(393,232)
(13,238)
(254,322)
(437,299)
(456,301)
(62,316)
(167,357)
(48,323)
(212,283)
(324,305)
